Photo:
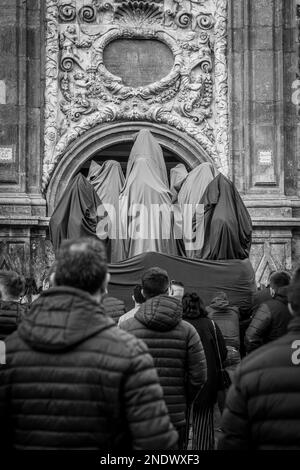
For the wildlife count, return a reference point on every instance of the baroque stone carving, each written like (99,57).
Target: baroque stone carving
(81,93)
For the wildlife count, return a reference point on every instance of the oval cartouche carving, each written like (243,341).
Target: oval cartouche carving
(138,62)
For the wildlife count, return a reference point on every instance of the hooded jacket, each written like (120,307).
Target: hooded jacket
(227,319)
(176,349)
(11,313)
(73,380)
(269,322)
(262,410)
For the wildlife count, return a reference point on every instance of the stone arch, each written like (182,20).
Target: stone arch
(103,136)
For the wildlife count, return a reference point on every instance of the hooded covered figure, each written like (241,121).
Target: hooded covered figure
(75,215)
(189,199)
(146,146)
(228,227)
(108,180)
(145,201)
(177,176)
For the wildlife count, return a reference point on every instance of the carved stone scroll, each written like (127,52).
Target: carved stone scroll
(81,93)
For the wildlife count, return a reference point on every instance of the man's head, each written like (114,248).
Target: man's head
(82,264)
(176,289)
(137,295)
(294,298)
(278,280)
(12,285)
(155,281)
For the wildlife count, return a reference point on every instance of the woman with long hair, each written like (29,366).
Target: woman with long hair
(201,414)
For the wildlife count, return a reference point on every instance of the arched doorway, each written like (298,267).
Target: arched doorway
(99,143)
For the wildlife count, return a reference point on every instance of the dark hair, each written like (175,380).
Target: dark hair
(13,283)
(193,306)
(137,294)
(177,283)
(155,281)
(279,279)
(294,297)
(81,264)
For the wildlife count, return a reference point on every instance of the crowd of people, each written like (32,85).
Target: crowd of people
(82,373)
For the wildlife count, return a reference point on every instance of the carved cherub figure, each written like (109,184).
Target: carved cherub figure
(68,40)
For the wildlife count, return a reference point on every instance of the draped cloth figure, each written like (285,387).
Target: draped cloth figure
(76,212)
(146,146)
(177,176)
(145,201)
(228,227)
(108,181)
(189,200)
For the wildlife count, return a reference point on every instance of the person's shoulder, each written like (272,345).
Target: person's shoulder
(130,323)
(124,342)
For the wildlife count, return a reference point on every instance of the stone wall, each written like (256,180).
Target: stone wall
(264,131)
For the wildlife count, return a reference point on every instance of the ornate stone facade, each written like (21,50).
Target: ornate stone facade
(82,93)
(227,92)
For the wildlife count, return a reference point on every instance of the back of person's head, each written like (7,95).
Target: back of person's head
(12,285)
(155,281)
(278,280)
(82,264)
(193,306)
(137,294)
(177,289)
(294,298)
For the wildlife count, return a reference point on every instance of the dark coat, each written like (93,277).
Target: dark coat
(263,407)
(11,313)
(176,349)
(205,329)
(269,322)
(114,308)
(74,380)
(227,319)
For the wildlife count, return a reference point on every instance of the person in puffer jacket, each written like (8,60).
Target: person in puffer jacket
(73,380)
(174,345)
(11,311)
(271,319)
(113,307)
(262,409)
(227,319)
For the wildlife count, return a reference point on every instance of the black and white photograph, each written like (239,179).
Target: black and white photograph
(149,230)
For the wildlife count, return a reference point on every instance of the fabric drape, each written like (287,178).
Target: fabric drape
(189,198)
(228,226)
(146,146)
(76,212)
(147,220)
(108,180)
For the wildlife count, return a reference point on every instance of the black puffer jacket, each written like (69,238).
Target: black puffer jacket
(73,380)
(177,351)
(11,314)
(113,307)
(269,322)
(263,407)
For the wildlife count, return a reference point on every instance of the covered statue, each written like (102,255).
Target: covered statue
(192,212)
(228,227)
(145,201)
(108,181)
(76,212)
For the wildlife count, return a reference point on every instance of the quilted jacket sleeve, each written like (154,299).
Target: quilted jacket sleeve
(235,422)
(196,364)
(258,328)
(146,410)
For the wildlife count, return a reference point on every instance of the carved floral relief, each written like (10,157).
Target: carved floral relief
(81,92)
